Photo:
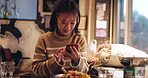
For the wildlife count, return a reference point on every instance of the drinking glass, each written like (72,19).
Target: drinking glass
(7,69)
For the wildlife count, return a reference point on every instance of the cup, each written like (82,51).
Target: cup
(7,69)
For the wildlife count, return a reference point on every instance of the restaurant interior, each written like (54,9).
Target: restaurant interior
(120,26)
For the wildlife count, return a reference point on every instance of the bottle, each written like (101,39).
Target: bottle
(5,12)
(16,14)
(129,72)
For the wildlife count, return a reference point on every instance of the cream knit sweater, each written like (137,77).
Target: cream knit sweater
(44,62)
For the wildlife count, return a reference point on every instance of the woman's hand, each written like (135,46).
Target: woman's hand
(59,55)
(74,55)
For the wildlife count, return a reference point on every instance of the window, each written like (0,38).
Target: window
(139,25)
(132,23)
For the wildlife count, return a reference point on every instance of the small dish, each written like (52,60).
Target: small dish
(57,76)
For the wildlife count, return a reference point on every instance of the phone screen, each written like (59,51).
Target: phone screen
(68,47)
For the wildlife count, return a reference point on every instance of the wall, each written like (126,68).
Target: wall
(30,33)
(26,43)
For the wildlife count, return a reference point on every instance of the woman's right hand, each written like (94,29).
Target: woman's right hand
(59,55)
(74,55)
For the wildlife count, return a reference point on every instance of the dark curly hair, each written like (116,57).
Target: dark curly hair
(64,6)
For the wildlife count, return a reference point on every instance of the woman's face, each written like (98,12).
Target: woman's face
(66,23)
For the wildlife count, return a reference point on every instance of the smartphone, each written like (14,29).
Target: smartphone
(68,47)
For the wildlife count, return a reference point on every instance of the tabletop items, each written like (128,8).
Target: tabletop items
(7,69)
(74,74)
(134,67)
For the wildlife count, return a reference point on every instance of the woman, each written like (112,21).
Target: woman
(50,55)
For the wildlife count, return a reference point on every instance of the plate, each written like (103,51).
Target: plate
(57,75)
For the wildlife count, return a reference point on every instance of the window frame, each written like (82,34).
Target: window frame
(116,20)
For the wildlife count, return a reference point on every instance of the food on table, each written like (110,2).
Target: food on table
(75,74)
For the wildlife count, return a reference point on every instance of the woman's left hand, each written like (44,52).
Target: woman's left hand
(74,55)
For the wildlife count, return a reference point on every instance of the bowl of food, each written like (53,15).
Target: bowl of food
(72,74)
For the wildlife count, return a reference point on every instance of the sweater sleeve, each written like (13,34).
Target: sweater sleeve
(42,65)
(82,66)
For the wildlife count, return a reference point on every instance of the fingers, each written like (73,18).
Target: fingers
(74,53)
(56,55)
(59,55)
(71,55)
